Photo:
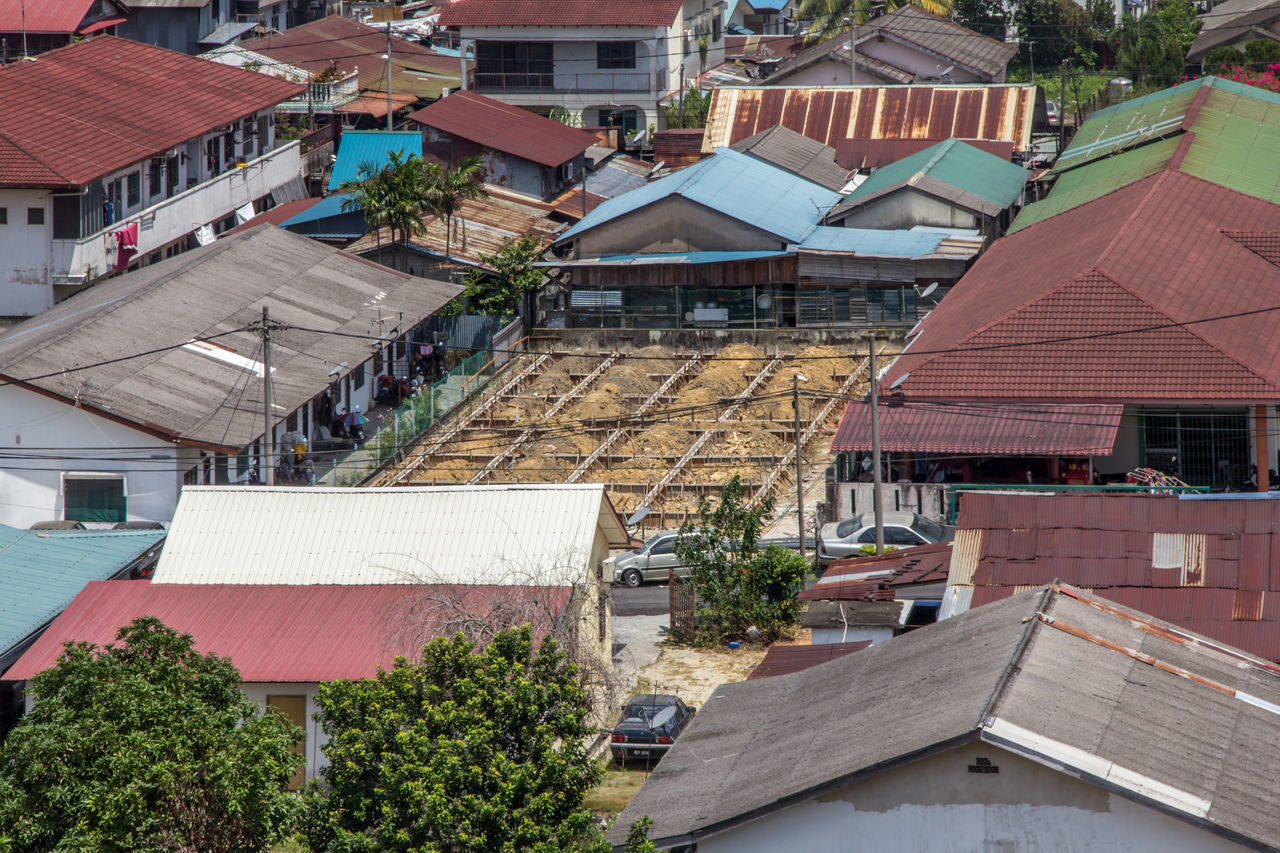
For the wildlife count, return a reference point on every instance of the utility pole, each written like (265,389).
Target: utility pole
(853,50)
(795,405)
(389,75)
(24,29)
(876,509)
(1062,110)
(268,466)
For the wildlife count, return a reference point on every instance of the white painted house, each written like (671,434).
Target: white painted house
(604,64)
(1053,720)
(105,172)
(113,400)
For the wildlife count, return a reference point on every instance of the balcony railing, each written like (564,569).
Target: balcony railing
(590,81)
(80,261)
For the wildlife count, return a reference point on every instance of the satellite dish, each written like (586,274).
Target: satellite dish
(895,383)
(638,516)
(928,290)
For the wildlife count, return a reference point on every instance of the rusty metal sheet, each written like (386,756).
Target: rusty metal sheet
(832,114)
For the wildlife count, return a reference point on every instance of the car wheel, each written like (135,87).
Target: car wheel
(631,578)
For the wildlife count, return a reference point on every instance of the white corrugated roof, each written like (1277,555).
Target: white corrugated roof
(509,534)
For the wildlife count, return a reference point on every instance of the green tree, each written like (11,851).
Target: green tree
(448,189)
(1262,53)
(1152,50)
(689,111)
(738,584)
(831,17)
(394,195)
(981,16)
(145,745)
(474,749)
(498,293)
(1054,30)
(1222,57)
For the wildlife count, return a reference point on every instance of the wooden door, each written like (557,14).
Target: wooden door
(295,709)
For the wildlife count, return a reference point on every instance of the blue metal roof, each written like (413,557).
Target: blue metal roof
(41,571)
(323,209)
(371,146)
(872,242)
(744,188)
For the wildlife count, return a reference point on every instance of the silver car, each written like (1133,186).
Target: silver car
(650,562)
(842,539)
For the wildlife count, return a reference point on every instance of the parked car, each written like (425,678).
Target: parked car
(650,723)
(650,562)
(1053,113)
(901,530)
(137,525)
(57,524)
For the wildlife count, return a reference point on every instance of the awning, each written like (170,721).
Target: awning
(228,32)
(376,105)
(100,25)
(1009,429)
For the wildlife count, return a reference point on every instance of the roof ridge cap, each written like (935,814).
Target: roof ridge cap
(1000,690)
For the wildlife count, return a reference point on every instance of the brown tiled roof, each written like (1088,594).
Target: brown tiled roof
(502,127)
(85,110)
(1223,574)
(957,43)
(559,13)
(1107,301)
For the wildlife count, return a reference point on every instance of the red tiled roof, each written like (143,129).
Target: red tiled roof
(43,16)
(879,578)
(982,428)
(784,660)
(503,127)
(1105,302)
(85,110)
(1229,589)
(559,13)
(278,632)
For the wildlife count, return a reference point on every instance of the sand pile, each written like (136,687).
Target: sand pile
(641,470)
(536,469)
(448,471)
(604,400)
(749,440)
(660,440)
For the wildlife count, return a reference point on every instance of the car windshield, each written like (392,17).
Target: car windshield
(930,530)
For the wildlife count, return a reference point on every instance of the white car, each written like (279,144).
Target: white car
(846,538)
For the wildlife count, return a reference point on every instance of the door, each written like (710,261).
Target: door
(661,558)
(295,709)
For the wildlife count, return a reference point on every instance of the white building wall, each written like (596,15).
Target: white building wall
(62,439)
(936,805)
(824,636)
(316,736)
(917,62)
(24,253)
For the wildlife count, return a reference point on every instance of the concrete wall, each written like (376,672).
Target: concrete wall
(936,805)
(828,72)
(61,439)
(175,29)
(928,499)
(673,224)
(908,207)
(822,636)
(920,64)
(24,253)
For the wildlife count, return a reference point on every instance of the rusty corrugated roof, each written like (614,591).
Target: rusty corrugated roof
(882,578)
(784,660)
(284,632)
(502,127)
(833,113)
(1211,566)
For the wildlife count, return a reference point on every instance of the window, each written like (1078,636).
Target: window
(4,216)
(377,362)
(666,546)
(93,498)
(133,192)
(229,148)
(716,28)
(628,120)
(357,377)
(35,215)
(616,54)
(155,177)
(901,536)
(516,65)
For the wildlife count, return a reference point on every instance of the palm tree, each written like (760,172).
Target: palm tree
(831,17)
(448,189)
(394,195)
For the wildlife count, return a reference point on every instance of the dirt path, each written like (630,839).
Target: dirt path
(694,674)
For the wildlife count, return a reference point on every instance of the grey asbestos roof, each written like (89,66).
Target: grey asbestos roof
(1235,19)
(1130,704)
(796,153)
(208,394)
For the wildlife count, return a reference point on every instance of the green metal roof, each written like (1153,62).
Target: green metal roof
(41,571)
(953,163)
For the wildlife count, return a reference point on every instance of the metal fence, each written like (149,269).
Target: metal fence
(683,607)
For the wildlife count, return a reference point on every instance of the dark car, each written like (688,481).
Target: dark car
(650,723)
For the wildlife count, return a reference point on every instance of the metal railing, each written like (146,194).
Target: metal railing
(590,81)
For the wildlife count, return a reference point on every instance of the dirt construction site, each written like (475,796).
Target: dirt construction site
(659,428)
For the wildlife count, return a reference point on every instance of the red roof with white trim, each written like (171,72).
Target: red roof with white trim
(1108,302)
(502,127)
(286,632)
(78,113)
(559,13)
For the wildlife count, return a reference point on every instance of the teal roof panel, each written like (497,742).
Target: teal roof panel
(371,146)
(41,571)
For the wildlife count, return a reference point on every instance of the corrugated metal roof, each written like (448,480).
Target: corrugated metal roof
(784,660)
(678,148)
(60,18)
(744,188)
(977,428)
(371,147)
(1206,565)
(861,154)
(1056,675)
(502,127)
(511,534)
(662,258)
(885,577)
(1139,264)
(951,170)
(913,243)
(559,13)
(153,100)
(832,114)
(283,633)
(796,153)
(186,394)
(40,572)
